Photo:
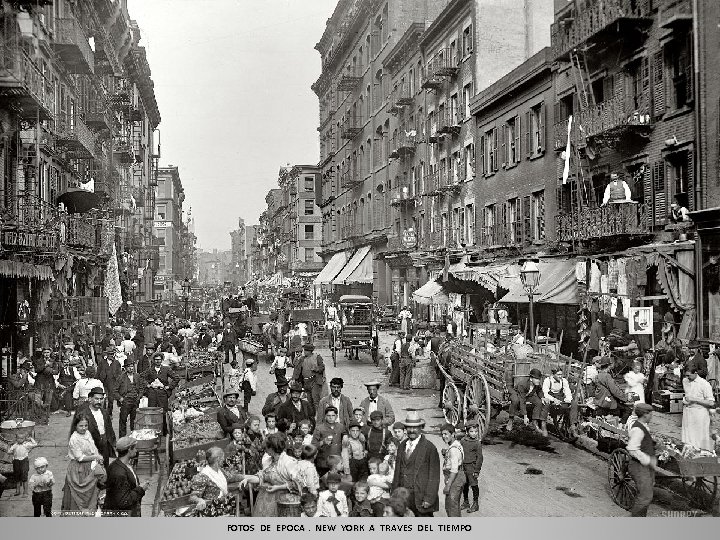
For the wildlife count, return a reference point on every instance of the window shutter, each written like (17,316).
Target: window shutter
(540,217)
(500,224)
(689,72)
(648,191)
(528,137)
(526,220)
(658,69)
(659,195)
(541,128)
(503,145)
(518,131)
(691,179)
(495,149)
(483,171)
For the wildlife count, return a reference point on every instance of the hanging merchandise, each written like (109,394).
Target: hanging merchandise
(604,298)
(594,278)
(112,283)
(612,274)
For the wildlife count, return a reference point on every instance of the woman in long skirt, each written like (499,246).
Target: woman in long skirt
(696,415)
(85,470)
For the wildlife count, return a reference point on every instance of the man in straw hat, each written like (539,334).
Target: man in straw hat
(417,468)
(643,466)
(230,416)
(277,398)
(124,492)
(374,402)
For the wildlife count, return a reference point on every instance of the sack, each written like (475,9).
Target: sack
(144,403)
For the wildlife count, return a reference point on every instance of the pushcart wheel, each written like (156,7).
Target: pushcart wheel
(477,393)
(701,491)
(622,486)
(452,403)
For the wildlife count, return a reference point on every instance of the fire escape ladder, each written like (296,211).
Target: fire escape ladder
(586,100)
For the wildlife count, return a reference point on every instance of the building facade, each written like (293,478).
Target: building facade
(238,268)
(169,230)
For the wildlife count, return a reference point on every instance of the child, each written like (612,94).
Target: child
(333,465)
(305,428)
(359,415)
(332,501)
(280,364)
(472,463)
(400,495)
(322,462)
(362,507)
(387,355)
(354,454)
(237,443)
(399,432)
(249,383)
(234,375)
(269,425)
(21,461)
(41,483)
(309,503)
(376,436)
(379,483)
(635,380)
(391,456)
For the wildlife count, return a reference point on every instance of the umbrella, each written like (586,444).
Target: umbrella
(78,200)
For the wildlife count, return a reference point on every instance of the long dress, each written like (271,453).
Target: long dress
(80,493)
(696,418)
(282,471)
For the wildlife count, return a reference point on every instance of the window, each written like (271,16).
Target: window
(444,226)
(681,70)
(455,167)
(453,53)
(161,237)
(469,161)
(309,184)
(309,254)
(467,96)
(309,207)
(513,232)
(467,41)
(161,212)
(535,131)
(491,144)
(488,225)
(511,142)
(309,232)
(538,216)
(470,224)
(454,112)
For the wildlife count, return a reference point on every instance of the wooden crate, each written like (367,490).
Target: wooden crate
(704,466)
(190,452)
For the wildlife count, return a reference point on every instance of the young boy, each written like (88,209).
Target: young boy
(309,503)
(333,465)
(399,432)
(41,483)
(362,507)
(391,456)
(376,436)
(379,483)
(21,461)
(280,364)
(359,415)
(387,356)
(249,383)
(354,454)
(332,501)
(305,428)
(472,463)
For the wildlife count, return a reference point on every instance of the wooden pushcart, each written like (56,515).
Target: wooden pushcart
(358,329)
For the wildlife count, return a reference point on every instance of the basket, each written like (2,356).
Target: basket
(170,505)
(704,466)
(12,428)
(250,346)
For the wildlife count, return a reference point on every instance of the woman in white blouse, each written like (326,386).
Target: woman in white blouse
(80,493)
(696,414)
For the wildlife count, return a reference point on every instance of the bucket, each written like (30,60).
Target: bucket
(11,428)
(288,506)
(149,417)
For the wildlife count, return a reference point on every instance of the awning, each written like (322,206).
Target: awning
(78,200)
(558,285)
(332,269)
(357,262)
(432,293)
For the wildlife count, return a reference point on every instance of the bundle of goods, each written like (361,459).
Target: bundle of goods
(176,493)
(195,396)
(234,463)
(201,360)
(145,434)
(193,431)
(251,346)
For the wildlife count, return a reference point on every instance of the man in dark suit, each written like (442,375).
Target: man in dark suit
(374,402)
(418,468)
(109,371)
(341,402)
(159,383)
(123,490)
(230,416)
(228,342)
(99,423)
(296,409)
(130,390)
(274,400)
(145,361)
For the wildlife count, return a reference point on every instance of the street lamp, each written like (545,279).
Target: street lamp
(134,287)
(186,287)
(530,278)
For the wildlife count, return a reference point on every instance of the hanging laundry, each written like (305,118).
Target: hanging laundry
(612,274)
(580,273)
(641,274)
(595,278)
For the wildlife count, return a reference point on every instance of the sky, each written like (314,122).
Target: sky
(232,81)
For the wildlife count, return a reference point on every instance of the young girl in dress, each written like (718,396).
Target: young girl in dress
(636,380)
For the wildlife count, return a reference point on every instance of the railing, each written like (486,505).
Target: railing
(29,213)
(443,64)
(501,234)
(592,17)
(350,79)
(401,96)
(615,113)
(22,70)
(123,149)
(449,120)
(70,37)
(603,222)
(561,133)
(80,232)
(98,114)
(402,195)
(403,143)
(72,132)
(351,178)
(351,126)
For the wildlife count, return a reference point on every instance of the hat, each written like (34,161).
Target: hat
(354,424)
(249,362)
(413,419)
(281,382)
(27,366)
(308,347)
(336,381)
(535,373)
(97,390)
(643,408)
(332,477)
(331,408)
(376,414)
(110,350)
(231,392)
(40,462)
(605,361)
(374,382)
(356,409)
(159,355)
(150,319)
(282,349)
(46,349)
(694,344)
(296,387)
(398,425)
(401,333)
(125,443)
(471,423)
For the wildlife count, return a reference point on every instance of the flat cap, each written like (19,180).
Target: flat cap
(125,442)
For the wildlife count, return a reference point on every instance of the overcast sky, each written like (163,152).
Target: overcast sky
(232,80)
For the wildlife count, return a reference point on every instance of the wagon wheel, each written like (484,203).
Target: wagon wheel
(452,403)
(477,393)
(701,491)
(622,486)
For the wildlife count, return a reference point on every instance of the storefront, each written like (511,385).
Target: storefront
(707,269)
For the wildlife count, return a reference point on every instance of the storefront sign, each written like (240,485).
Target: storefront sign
(28,239)
(162,224)
(409,238)
(641,320)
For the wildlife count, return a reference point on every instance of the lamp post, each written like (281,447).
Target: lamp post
(186,287)
(530,278)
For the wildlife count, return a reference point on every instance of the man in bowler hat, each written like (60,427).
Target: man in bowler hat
(99,423)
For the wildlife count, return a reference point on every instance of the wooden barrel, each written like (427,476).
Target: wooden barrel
(288,506)
(149,417)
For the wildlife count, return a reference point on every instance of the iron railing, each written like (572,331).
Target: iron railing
(603,222)
(73,45)
(19,72)
(72,132)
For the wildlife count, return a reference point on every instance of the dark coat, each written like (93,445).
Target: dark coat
(84,409)
(122,491)
(270,405)
(420,473)
(131,390)
(143,364)
(159,397)
(287,410)
(110,374)
(228,421)
(345,414)
(229,337)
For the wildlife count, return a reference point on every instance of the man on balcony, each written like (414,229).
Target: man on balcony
(617,191)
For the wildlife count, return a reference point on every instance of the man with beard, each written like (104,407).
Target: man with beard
(274,400)
(109,371)
(159,383)
(99,423)
(341,402)
(296,409)
(230,416)
(417,468)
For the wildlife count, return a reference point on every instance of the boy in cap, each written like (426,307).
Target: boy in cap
(472,463)
(249,383)
(124,493)
(277,398)
(376,436)
(40,484)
